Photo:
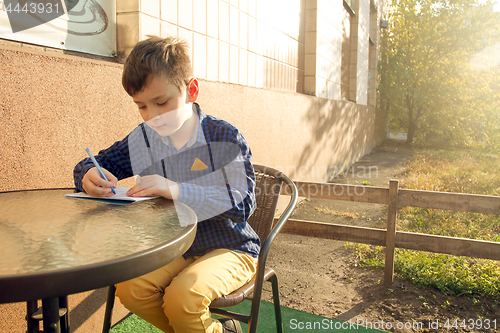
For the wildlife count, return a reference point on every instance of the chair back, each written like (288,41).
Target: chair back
(267,191)
(268,182)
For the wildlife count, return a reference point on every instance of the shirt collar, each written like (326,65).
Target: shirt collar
(197,137)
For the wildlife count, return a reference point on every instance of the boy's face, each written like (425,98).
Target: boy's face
(163,107)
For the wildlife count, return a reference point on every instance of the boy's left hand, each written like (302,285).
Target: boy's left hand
(154,185)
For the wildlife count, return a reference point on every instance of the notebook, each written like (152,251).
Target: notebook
(120,198)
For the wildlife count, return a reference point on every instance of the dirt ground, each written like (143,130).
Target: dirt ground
(321,276)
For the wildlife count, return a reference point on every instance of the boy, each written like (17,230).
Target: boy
(182,154)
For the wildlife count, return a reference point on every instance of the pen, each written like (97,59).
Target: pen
(98,167)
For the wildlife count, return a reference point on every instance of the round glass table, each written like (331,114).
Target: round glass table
(53,246)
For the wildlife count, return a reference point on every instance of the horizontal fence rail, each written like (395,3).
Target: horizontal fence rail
(390,238)
(474,203)
(404,240)
(369,194)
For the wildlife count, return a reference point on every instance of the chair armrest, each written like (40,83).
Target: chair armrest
(261,267)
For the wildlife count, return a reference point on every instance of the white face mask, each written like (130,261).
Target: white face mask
(170,122)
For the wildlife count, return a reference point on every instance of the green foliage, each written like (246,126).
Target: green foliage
(367,256)
(134,324)
(457,170)
(446,273)
(439,71)
(449,274)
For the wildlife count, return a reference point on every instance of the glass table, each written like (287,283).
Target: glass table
(52,246)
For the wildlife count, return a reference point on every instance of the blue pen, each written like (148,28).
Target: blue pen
(98,167)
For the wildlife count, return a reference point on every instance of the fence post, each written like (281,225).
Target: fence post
(390,240)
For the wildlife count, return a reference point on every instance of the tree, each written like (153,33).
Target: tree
(427,80)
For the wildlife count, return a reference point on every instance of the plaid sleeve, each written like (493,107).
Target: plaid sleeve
(115,159)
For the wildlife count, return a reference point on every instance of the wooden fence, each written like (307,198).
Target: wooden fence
(390,238)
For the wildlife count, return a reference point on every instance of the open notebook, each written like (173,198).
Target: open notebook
(120,198)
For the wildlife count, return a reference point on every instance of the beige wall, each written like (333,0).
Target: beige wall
(363,13)
(290,45)
(54,106)
(306,137)
(248,42)
(323,48)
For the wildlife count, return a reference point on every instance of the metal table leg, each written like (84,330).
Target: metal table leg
(63,305)
(33,324)
(51,322)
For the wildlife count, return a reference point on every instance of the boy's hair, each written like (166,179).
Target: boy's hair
(156,56)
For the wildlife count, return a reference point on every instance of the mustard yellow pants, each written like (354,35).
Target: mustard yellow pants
(176,297)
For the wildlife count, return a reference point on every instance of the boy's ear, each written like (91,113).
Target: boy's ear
(193,89)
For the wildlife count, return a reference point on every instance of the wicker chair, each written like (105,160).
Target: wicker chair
(267,191)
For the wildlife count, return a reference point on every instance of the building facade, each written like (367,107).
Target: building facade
(323,48)
(298,77)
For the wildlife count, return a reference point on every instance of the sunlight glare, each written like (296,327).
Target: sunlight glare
(486,58)
(496,6)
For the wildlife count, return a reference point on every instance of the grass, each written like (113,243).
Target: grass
(452,170)
(134,324)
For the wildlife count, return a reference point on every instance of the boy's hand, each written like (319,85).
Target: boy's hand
(154,185)
(95,185)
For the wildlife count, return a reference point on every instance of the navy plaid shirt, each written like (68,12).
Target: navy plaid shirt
(222,194)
